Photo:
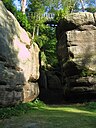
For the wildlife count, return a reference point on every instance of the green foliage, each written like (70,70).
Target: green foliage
(23,20)
(36,6)
(37,103)
(87,72)
(90,106)
(20,109)
(91,9)
(9,5)
(61,14)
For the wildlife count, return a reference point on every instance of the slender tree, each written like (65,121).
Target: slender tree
(23,6)
(82,4)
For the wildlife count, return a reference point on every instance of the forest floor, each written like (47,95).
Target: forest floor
(54,116)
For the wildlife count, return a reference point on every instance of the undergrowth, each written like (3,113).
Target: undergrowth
(90,105)
(22,108)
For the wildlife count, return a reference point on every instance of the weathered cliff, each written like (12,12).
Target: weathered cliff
(76,38)
(76,48)
(19,65)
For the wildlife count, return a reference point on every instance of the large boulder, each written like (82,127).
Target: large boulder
(76,48)
(19,64)
(76,39)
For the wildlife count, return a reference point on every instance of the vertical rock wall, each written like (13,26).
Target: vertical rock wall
(19,66)
(76,36)
(76,48)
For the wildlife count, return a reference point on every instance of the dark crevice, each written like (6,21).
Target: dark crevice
(3,83)
(2,59)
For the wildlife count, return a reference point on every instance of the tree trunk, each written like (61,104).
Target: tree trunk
(37,30)
(82,4)
(23,6)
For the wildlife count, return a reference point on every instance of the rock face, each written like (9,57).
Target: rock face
(76,39)
(19,65)
(76,49)
(50,87)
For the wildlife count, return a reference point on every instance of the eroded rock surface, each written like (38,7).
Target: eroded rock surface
(76,39)
(76,47)
(19,65)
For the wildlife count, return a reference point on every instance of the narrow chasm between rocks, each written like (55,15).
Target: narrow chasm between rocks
(72,79)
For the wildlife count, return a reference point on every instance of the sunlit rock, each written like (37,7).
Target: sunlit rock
(76,48)
(19,65)
(77,40)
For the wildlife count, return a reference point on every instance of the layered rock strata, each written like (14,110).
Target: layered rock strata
(19,65)
(76,48)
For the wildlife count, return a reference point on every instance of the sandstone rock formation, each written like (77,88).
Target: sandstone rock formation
(76,39)
(50,87)
(19,66)
(76,49)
